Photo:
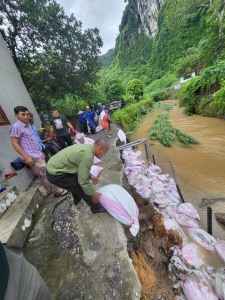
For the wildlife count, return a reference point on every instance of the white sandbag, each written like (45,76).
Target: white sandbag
(96,170)
(170,212)
(173,195)
(119,203)
(135,162)
(203,238)
(161,199)
(177,266)
(98,128)
(189,210)
(220,283)
(79,136)
(164,177)
(122,136)
(196,288)
(191,254)
(186,221)
(88,140)
(154,168)
(220,249)
(157,185)
(143,189)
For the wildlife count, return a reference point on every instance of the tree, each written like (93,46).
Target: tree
(112,87)
(50,50)
(135,88)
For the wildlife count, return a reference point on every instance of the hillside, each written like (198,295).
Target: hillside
(161,40)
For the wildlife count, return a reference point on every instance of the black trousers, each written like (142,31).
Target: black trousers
(64,140)
(70,183)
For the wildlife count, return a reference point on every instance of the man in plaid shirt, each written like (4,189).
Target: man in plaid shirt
(25,143)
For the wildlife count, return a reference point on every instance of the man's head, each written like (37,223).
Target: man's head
(45,118)
(55,113)
(106,109)
(101,147)
(22,114)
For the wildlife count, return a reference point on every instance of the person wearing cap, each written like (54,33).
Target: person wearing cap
(60,124)
(82,122)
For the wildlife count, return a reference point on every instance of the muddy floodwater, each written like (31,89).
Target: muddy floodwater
(204,163)
(199,169)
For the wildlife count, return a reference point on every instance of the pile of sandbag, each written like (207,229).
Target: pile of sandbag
(189,263)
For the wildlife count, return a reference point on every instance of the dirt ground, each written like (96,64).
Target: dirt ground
(150,252)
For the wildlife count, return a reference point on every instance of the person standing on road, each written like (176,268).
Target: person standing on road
(25,143)
(105,119)
(60,125)
(70,169)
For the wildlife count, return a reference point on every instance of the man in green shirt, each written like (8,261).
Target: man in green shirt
(70,169)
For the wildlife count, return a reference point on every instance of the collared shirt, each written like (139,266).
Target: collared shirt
(76,159)
(27,139)
(41,145)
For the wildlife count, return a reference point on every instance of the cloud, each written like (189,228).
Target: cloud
(104,14)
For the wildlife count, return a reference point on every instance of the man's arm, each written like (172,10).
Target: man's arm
(15,143)
(71,127)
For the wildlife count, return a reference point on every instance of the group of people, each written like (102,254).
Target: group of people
(94,119)
(69,169)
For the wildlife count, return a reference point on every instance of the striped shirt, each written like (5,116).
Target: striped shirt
(27,139)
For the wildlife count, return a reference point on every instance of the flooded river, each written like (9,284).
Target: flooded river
(199,169)
(204,163)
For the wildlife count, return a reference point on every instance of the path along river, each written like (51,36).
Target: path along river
(202,165)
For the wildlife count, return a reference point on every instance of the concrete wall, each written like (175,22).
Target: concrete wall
(12,93)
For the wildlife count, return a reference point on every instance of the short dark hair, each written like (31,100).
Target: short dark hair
(54,109)
(18,109)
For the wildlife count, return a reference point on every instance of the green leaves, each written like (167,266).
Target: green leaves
(54,56)
(163,131)
(135,88)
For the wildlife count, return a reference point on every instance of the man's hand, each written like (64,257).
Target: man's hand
(94,180)
(73,130)
(95,197)
(28,161)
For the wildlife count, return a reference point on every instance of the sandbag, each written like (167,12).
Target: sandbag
(88,140)
(186,221)
(119,203)
(191,254)
(196,288)
(203,238)
(122,136)
(189,210)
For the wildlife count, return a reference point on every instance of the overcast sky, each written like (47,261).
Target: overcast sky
(104,14)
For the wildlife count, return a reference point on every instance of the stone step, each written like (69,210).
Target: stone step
(17,221)
(7,198)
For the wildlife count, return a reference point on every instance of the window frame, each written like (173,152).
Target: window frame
(5,119)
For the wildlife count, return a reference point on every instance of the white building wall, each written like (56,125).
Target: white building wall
(12,93)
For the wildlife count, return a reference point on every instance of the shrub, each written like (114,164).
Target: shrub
(135,88)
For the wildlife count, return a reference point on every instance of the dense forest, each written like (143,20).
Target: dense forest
(60,63)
